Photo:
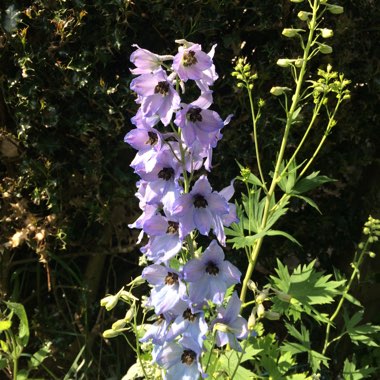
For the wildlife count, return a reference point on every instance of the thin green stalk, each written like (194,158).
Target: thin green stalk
(210,353)
(343,297)
(254,124)
(239,359)
(328,128)
(312,121)
(276,177)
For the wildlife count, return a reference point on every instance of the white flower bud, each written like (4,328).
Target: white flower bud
(260,310)
(326,33)
(304,16)
(284,62)
(272,316)
(120,324)
(110,334)
(277,91)
(290,33)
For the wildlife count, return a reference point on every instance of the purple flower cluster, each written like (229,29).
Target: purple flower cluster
(175,139)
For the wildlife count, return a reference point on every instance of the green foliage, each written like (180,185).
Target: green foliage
(307,288)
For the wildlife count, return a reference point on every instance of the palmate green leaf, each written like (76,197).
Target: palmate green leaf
(350,372)
(315,358)
(230,360)
(310,182)
(307,288)
(360,333)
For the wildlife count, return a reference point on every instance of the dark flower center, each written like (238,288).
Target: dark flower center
(212,269)
(199,201)
(187,314)
(194,114)
(189,58)
(152,140)
(166,174)
(172,227)
(188,357)
(171,278)
(162,88)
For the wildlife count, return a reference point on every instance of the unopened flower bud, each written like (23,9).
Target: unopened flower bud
(284,62)
(120,324)
(304,16)
(127,296)
(251,285)
(260,310)
(326,33)
(251,321)
(261,297)
(284,296)
(272,316)
(277,91)
(325,49)
(130,314)
(290,32)
(137,281)
(372,255)
(298,62)
(335,9)
(366,231)
(110,334)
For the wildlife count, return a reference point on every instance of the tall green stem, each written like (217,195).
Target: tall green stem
(296,97)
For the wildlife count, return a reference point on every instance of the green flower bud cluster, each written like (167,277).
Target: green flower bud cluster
(331,81)
(243,73)
(372,228)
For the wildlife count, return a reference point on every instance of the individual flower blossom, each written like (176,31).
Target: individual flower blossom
(198,124)
(162,180)
(169,291)
(164,242)
(158,330)
(189,323)
(146,61)
(190,62)
(210,276)
(229,325)
(201,209)
(181,360)
(156,95)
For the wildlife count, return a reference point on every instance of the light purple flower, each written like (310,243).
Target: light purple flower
(181,360)
(190,62)
(229,325)
(169,291)
(210,276)
(146,61)
(199,124)
(156,95)
(164,242)
(157,331)
(190,323)
(201,209)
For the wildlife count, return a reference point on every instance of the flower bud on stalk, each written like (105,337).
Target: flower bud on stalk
(304,16)
(335,9)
